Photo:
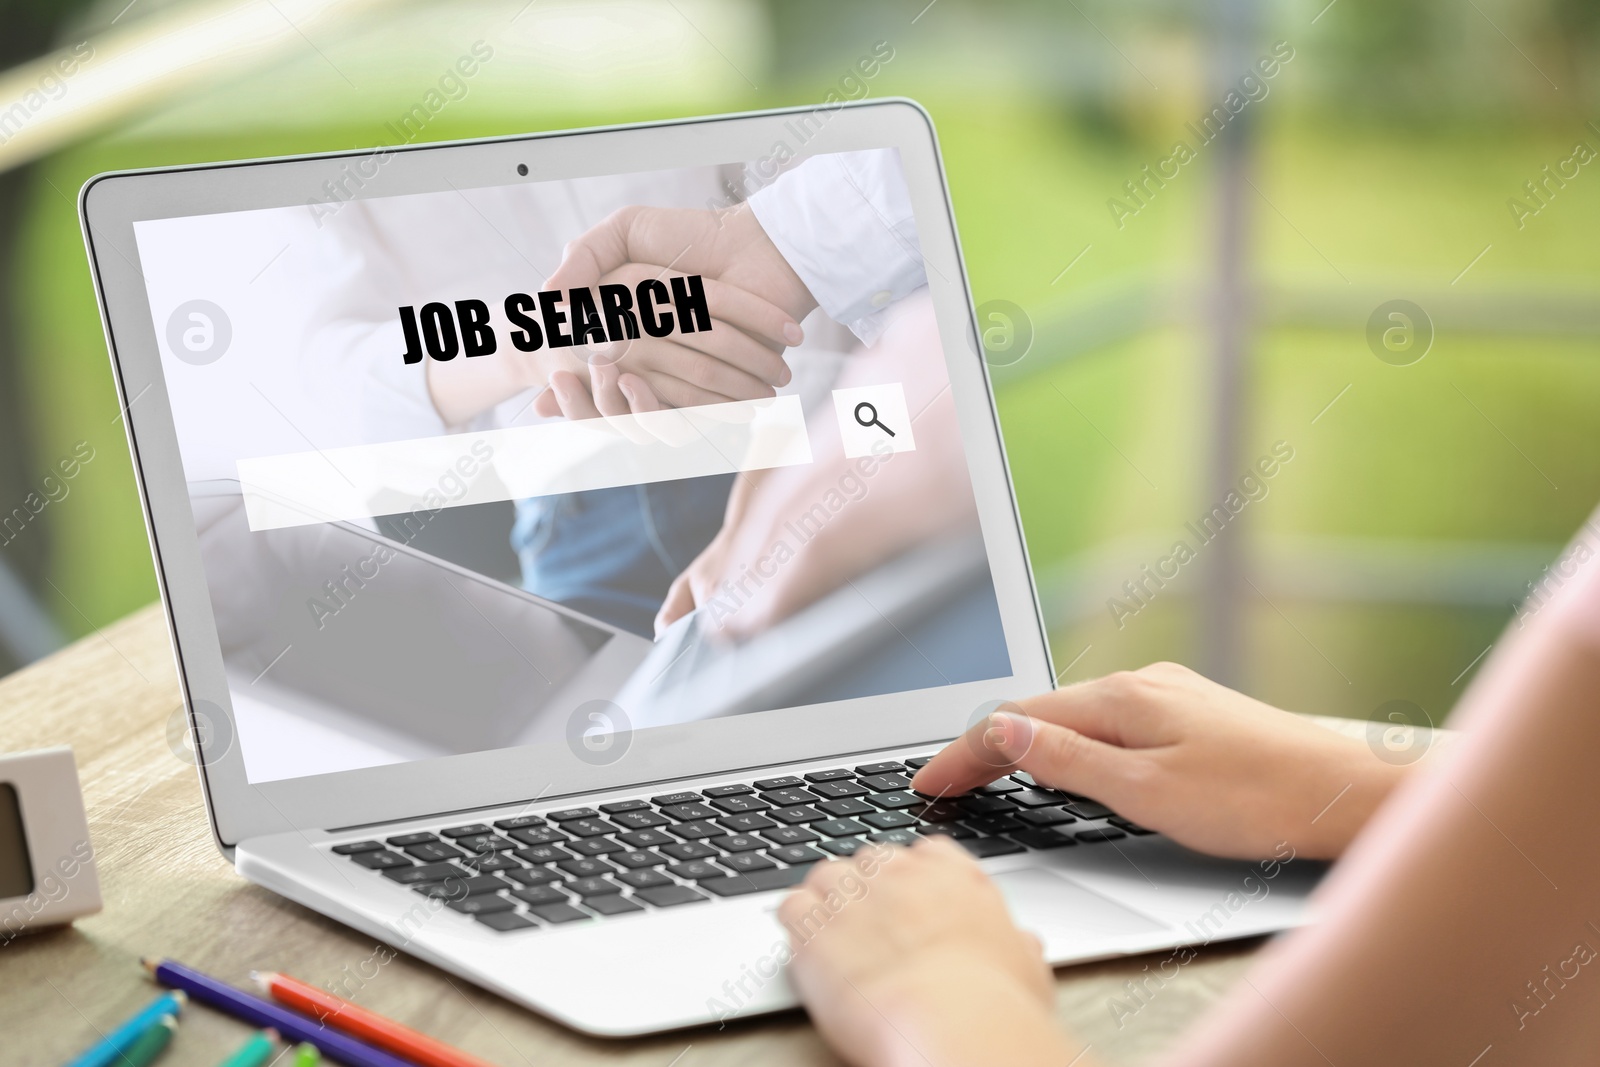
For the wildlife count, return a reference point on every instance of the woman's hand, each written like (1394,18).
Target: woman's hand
(908,956)
(1210,768)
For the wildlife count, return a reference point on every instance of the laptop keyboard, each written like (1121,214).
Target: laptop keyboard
(630,856)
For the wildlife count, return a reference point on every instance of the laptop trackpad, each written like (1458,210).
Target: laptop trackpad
(1066,916)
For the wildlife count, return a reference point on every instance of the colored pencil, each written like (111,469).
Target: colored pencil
(108,1050)
(150,1044)
(257,1012)
(360,1022)
(306,1055)
(257,1050)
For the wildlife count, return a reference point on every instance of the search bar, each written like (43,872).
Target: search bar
(454,470)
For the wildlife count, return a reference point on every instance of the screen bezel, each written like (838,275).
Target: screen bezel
(111,203)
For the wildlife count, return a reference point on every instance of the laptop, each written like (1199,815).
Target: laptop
(418,614)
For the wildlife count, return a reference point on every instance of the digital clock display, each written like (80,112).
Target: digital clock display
(16,871)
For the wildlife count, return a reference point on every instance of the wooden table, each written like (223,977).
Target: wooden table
(114,698)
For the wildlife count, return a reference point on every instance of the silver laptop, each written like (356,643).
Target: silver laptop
(565,705)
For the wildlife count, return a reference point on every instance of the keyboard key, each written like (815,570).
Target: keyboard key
(645,839)
(595,846)
(1000,788)
(695,870)
(638,859)
(984,847)
(916,763)
(1092,836)
(746,861)
(789,835)
(381,861)
(587,827)
(569,814)
(1035,798)
(505,921)
(492,861)
(745,824)
(402,840)
(832,775)
(668,896)
(802,814)
(994,824)
(538,835)
(726,790)
(533,875)
(866,770)
(584,868)
(688,850)
(643,879)
(558,913)
(843,846)
(795,855)
(1046,817)
(617,807)
(737,843)
(456,888)
(985,805)
(593,887)
(894,837)
(690,811)
(519,822)
(945,829)
(470,830)
(1088,809)
(1042,838)
(481,905)
(1026,779)
(674,798)
(885,783)
(888,820)
(839,827)
(611,905)
(357,846)
(485,843)
(694,831)
(427,872)
(638,820)
(542,854)
(1131,827)
(938,811)
(756,881)
(786,782)
(835,790)
(846,806)
(434,852)
(895,800)
(735,805)
(785,797)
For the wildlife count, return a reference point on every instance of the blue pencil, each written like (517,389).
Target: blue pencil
(109,1049)
(291,1025)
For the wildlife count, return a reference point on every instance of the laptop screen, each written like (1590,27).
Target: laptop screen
(568,459)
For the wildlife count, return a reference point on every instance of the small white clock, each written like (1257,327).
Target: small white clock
(47,873)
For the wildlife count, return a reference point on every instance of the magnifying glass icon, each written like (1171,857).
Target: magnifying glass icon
(867,415)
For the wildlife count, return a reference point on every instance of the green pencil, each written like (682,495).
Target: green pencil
(306,1055)
(254,1052)
(149,1044)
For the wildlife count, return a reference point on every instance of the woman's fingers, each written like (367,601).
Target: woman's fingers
(572,396)
(678,603)
(1008,740)
(641,397)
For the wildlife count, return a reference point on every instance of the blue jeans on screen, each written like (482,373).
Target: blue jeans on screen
(611,553)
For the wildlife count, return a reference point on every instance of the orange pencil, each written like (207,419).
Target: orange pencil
(358,1022)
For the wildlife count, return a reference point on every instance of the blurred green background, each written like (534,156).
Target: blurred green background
(1380,165)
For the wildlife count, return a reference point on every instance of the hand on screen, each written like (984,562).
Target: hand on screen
(771,558)
(1172,750)
(756,301)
